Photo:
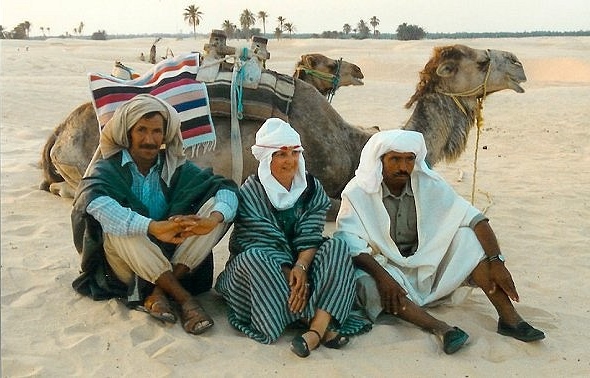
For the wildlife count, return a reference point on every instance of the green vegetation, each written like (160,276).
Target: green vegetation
(247,21)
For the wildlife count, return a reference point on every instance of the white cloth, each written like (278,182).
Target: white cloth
(274,135)
(113,137)
(442,261)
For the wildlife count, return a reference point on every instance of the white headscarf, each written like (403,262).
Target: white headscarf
(272,135)
(370,170)
(113,137)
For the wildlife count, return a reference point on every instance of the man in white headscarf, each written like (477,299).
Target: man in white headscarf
(145,219)
(415,241)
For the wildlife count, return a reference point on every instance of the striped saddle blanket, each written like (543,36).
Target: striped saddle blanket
(172,80)
(271,98)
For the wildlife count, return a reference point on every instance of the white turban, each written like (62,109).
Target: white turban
(274,135)
(370,170)
(113,137)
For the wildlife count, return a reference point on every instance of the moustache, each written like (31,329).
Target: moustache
(402,174)
(148,146)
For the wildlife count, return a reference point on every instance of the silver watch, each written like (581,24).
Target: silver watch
(499,257)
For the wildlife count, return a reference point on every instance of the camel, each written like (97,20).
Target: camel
(62,178)
(452,85)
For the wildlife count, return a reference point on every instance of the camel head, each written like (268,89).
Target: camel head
(465,72)
(327,74)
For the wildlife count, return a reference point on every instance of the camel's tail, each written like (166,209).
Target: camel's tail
(50,174)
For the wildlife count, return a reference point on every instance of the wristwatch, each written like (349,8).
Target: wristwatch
(499,257)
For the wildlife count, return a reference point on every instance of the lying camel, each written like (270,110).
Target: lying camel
(452,84)
(63,168)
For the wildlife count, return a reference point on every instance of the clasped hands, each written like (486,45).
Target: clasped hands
(179,227)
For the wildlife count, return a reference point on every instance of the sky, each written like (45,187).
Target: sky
(308,16)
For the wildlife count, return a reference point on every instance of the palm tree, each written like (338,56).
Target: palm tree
(281,21)
(27,26)
(229,28)
(374,22)
(246,20)
(48,30)
(262,15)
(80,27)
(42,30)
(289,27)
(193,15)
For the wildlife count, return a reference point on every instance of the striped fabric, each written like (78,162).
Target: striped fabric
(253,283)
(172,80)
(272,97)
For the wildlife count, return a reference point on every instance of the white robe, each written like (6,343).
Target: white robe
(448,249)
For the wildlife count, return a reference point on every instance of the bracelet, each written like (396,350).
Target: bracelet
(303,267)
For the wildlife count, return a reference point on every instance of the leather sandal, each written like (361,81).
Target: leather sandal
(159,308)
(336,342)
(194,318)
(300,347)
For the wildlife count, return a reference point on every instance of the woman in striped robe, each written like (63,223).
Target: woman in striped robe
(281,269)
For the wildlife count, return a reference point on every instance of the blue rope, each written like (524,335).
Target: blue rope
(240,85)
(335,81)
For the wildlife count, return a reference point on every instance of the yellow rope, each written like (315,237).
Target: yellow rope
(478,118)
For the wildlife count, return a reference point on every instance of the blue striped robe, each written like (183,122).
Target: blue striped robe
(263,240)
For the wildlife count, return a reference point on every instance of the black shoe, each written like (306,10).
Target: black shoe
(523,331)
(454,339)
(336,342)
(299,345)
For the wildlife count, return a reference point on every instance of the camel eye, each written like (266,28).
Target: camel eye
(484,63)
(515,62)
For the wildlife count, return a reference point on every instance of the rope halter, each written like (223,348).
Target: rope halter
(332,78)
(478,113)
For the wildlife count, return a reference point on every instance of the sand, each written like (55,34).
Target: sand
(532,175)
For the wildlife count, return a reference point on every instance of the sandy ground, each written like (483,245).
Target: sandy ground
(532,174)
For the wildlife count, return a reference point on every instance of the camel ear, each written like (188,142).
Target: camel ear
(446,69)
(309,61)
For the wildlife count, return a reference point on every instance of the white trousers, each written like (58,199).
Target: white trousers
(138,255)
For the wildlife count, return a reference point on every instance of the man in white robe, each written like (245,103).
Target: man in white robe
(415,241)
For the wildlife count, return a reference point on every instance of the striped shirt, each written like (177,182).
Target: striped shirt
(122,221)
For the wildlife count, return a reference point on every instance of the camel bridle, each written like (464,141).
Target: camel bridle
(478,114)
(334,79)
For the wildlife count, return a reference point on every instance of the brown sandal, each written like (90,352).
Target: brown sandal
(194,318)
(158,307)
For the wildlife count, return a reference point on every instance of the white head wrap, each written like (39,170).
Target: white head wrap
(272,135)
(370,170)
(113,137)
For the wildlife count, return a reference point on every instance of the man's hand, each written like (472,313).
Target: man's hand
(167,231)
(196,225)
(501,277)
(393,296)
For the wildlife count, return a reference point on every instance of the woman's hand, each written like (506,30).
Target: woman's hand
(299,289)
